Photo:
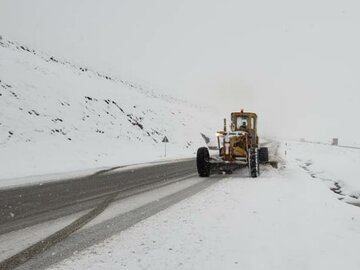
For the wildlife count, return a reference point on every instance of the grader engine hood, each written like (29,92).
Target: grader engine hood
(232,145)
(238,145)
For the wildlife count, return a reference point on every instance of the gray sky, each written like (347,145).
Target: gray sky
(296,63)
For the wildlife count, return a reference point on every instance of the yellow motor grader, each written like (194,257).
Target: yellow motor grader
(237,148)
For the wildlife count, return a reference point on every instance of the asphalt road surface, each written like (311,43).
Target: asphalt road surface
(37,204)
(29,205)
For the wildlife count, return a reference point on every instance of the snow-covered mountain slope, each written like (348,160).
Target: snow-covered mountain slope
(56,116)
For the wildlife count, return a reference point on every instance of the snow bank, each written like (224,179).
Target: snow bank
(337,166)
(57,117)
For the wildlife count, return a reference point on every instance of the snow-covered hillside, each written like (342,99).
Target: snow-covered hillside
(56,116)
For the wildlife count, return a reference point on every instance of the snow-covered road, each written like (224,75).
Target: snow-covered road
(286,219)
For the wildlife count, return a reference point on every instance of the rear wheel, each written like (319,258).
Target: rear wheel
(254,162)
(202,162)
(264,155)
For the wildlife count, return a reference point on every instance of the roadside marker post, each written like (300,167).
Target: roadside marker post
(165,141)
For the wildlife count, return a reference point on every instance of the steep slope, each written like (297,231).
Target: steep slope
(56,116)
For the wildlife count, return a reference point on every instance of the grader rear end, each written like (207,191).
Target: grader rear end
(237,148)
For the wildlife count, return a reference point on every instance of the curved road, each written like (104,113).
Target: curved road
(25,206)
(37,204)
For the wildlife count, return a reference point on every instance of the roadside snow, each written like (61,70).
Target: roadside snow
(57,117)
(70,165)
(338,167)
(282,220)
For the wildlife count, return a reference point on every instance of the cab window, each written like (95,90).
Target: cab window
(241,122)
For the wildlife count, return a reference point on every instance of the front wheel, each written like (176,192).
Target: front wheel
(202,162)
(254,167)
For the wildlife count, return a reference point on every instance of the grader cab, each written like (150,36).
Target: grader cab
(238,147)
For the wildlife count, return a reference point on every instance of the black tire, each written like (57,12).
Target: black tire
(264,155)
(202,162)
(254,162)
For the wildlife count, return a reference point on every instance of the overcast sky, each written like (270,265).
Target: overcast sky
(295,63)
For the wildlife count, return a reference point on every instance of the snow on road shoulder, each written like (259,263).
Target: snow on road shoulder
(108,161)
(335,166)
(282,220)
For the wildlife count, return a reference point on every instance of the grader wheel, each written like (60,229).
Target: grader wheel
(202,162)
(254,162)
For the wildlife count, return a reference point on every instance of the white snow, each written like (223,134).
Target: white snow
(58,117)
(283,220)
(16,241)
(331,164)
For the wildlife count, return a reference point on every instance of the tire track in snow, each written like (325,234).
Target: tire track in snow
(43,245)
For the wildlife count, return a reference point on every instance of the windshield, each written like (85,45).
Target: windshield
(241,122)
